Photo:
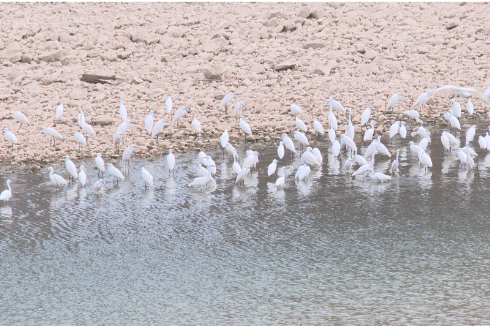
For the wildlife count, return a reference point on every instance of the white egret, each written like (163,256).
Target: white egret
(157,128)
(462,156)
(470,134)
(71,168)
(414,148)
(123,126)
(331,135)
(245,127)
(201,171)
(318,155)
(301,125)
(422,98)
(482,142)
(52,133)
(365,116)
(252,159)
(197,126)
(423,143)
(82,176)
(348,165)
(349,142)
(88,129)
(99,163)
(360,160)
(170,162)
(80,117)
(336,105)
(149,122)
(203,158)
(456,108)
(201,181)
(147,177)
(115,173)
(280,150)
(236,166)
(332,120)
(403,130)
(59,111)
(178,115)
(365,167)
(168,105)
(127,154)
(7,193)
(378,176)
(395,127)
(224,139)
(424,159)
(301,138)
(296,110)
(487,139)
(20,116)
(335,148)
(395,164)
(421,131)
(460,91)
(452,139)
(349,129)
(445,141)
(454,121)
(242,174)
(308,158)
(318,127)
(412,114)
(394,99)
(117,139)
(271,169)
(485,96)
(371,148)
(99,185)
(122,108)
(368,135)
(225,101)
(382,148)
(280,180)
(303,172)
(468,149)
(470,163)
(288,143)
(80,139)
(231,150)
(469,107)
(56,179)
(238,110)
(10,136)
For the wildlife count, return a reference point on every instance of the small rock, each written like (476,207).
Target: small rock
(250,138)
(316,13)
(102,39)
(46,81)
(314,46)
(304,12)
(215,73)
(51,56)
(103,120)
(26,58)
(273,22)
(248,50)
(78,95)
(216,45)
(371,54)
(452,25)
(16,57)
(124,54)
(66,38)
(284,66)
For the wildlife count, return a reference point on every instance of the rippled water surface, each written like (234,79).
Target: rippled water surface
(331,250)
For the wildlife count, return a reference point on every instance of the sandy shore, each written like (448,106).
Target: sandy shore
(172,49)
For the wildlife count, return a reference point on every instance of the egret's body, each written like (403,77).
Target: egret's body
(382,148)
(271,169)
(56,179)
(168,105)
(301,138)
(117,139)
(424,159)
(242,174)
(331,135)
(335,148)
(99,163)
(423,143)
(318,127)
(157,128)
(170,161)
(10,136)
(114,172)
(414,148)
(280,181)
(422,98)
(469,107)
(127,154)
(80,139)
(394,99)
(280,149)
(368,135)
(318,155)
(71,168)
(445,141)
(224,138)
(59,111)
(456,108)
(395,164)
(123,126)
(349,142)
(482,142)
(394,129)
(88,129)
(231,150)
(236,166)
(201,181)
(52,133)
(149,122)
(225,101)
(288,143)
(365,167)
(245,127)
(303,172)
(7,193)
(238,110)
(147,177)
(196,125)
(99,185)
(454,121)
(122,109)
(201,171)
(378,176)
(301,125)
(178,115)
(203,158)
(403,130)
(365,116)
(82,176)
(308,158)
(349,129)
(332,120)
(412,114)
(336,105)
(20,117)
(296,110)
(470,134)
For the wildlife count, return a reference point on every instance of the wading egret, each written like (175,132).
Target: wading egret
(201,181)
(395,164)
(335,148)
(115,173)
(99,185)
(318,127)
(318,155)
(56,179)
(470,134)
(445,141)
(303,172)
(394,129)
(203,158)
(365,167)
(170,162)
(82,176)
(331,135)
(224,138)
(368,135)
(71,168)
(127,154)
(201,171)
(454,121)
(403,130)
(382,148)
(280,149)
(271,169)
(231,150)
(456,108)
(236,166)
(309,159)
(482,142)
(7,193)
(349,142)
(280,181)
(242,174)
(99,163)
(301,138)
(378,176)
(147,177)
(414,148)
(424,159)
(349,129)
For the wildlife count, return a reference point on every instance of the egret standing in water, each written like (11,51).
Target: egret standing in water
(7,193)
(280,149)
(282,176)
(170,162)
(71,168)
(99,185)
(99,163)
(271,169)
(82,176)
(224,138)
(395,164)
(115,173)
(127,154)
(147,177)
(56,179)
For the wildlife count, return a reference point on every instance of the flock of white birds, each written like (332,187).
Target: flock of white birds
(311,158)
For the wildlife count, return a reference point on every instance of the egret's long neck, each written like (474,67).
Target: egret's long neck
(8,185)
(371,163)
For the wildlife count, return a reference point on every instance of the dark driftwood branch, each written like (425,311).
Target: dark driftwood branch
(96,79)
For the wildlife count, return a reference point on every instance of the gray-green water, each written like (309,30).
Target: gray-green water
(331,250)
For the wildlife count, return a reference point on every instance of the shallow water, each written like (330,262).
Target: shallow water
(330,250)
